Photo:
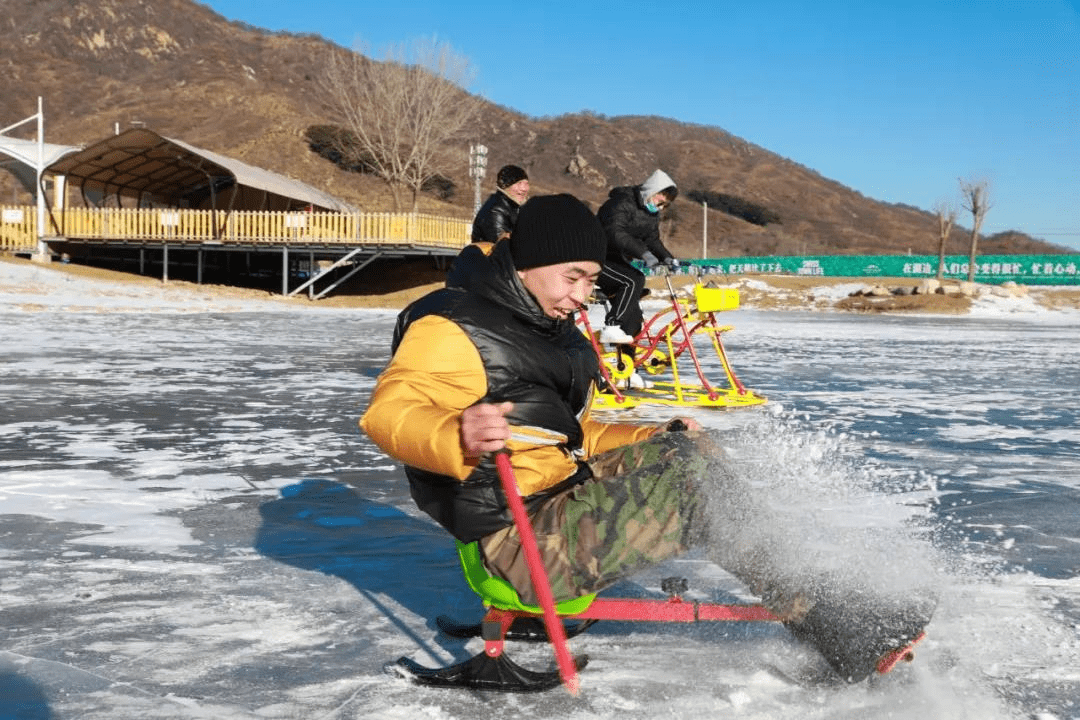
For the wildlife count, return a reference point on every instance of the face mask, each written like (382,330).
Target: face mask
(651,208)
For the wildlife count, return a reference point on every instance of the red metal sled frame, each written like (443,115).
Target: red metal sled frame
(493,670)
(674,609)
(497,622)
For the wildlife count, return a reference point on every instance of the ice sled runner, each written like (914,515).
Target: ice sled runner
(854,653)
(856,641)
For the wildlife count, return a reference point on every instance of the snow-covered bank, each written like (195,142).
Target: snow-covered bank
(821,294)
(29,287)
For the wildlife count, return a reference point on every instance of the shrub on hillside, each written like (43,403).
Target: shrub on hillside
(733,205)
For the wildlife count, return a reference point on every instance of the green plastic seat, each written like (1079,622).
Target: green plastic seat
(496,592)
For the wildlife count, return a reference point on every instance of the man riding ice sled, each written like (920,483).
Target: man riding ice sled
(500,365)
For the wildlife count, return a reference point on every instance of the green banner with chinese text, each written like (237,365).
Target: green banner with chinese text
(992,269)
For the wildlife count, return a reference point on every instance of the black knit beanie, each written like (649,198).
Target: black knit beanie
(508,175)
(553,229)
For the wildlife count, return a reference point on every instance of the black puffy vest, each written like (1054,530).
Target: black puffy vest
(544,366)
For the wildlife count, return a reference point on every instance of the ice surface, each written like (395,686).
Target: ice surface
(194,527)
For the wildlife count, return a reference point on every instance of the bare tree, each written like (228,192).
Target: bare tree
(399,115)
(946,216)
(975,198)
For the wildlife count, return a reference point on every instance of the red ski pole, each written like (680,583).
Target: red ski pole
(556,632)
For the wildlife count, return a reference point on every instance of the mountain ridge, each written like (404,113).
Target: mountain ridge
(182,70)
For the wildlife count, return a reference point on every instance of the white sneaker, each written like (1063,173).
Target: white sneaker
(615,335)
(636,382)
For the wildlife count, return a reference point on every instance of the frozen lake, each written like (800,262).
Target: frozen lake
(193,526)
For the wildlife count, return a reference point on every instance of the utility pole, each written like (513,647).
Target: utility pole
(477,170)
(704,229)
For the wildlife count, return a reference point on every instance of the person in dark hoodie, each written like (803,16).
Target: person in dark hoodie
(496,217)
(631,221)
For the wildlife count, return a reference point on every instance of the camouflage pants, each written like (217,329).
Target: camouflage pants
(653,500)
(641,506)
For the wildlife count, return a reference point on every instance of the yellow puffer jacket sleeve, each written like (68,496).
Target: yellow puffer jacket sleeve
(417,402)
(415,409)
(601,437)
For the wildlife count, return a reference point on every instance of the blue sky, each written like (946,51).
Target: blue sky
(897,100)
